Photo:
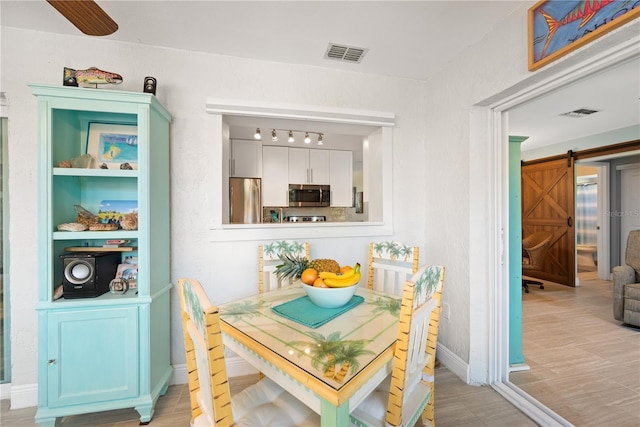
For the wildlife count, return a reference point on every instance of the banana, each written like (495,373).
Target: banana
(349,278)
(338,276)
(341,283)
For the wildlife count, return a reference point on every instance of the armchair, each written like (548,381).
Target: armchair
(626,283)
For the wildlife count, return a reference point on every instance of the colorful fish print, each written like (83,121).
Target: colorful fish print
(90,76)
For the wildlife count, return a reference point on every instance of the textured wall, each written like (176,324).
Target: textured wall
(185,80)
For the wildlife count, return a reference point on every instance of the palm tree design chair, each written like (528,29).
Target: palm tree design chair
(390,265)
(535,247)
(408,393)
(269,258)
(262,404)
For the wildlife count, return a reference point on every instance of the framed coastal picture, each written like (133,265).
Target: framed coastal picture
(558,27)
(113,145)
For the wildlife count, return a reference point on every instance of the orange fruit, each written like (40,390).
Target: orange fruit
(319,283)
(345,268)
(309,276)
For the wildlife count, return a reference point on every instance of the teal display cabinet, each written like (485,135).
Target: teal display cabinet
(111,351)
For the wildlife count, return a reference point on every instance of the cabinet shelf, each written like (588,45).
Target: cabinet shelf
(95,172)
(95,235)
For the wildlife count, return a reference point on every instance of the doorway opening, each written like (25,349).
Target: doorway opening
(498,129)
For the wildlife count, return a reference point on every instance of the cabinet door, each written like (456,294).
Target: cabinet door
(246,159)
(319,167)
(92,355)
(298,166)
(275,176)
(341,178)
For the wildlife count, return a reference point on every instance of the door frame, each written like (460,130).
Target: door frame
(493,119)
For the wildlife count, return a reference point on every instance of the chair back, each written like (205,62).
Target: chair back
(391,264)
(269,258)
(410,356)
(536,246)
(209,392)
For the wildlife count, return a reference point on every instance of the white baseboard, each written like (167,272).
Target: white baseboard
(453,363)
(519,367)
(22,396)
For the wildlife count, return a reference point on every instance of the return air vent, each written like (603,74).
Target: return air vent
(345,53)
(580,112)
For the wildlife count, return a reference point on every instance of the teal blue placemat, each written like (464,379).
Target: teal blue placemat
(303,311)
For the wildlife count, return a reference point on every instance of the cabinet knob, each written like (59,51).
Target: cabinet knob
(52,361)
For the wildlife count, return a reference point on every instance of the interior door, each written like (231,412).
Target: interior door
(629,205)
(548,204)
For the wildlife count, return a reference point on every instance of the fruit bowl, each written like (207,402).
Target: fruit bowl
(329,297)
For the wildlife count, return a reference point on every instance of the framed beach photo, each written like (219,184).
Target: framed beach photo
(113,145)
(558,27)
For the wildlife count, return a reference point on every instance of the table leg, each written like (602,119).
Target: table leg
(334,416)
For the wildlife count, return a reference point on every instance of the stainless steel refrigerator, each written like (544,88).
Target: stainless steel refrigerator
(245,205)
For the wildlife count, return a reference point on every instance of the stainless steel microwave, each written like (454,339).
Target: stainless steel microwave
(307,195)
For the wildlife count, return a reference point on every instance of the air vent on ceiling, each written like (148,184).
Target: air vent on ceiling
(345,53)
(580,112)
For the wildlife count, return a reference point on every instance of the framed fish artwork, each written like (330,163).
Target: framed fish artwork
(557,27)
(113,145)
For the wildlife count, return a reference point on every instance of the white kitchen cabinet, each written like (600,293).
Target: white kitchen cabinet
(341,178)
(246,159)
(308,166)
(275,176)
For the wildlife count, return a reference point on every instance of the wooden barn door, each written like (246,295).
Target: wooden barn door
(548,204)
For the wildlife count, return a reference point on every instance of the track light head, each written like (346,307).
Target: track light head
(291,139)
(320,139)
(257,134)
(274,135)
(307,140)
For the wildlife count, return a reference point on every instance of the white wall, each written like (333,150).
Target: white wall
(185,80)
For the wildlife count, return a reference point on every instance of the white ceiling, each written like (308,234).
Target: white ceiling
(407,39)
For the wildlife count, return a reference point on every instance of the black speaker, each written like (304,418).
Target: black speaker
(150,84)
(87,274)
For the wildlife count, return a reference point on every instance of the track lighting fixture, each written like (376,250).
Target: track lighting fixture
(291,139)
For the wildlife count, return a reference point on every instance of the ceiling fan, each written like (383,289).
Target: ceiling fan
(86,15)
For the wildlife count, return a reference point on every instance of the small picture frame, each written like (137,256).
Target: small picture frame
(113,144)
(119,286)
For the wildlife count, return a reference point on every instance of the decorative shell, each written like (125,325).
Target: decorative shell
(103,227)
(84,216)
(130,221)
(64,164)
(72,226)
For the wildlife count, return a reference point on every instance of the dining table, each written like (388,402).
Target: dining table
(330,359)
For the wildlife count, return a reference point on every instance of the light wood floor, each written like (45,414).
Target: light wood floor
(585,365)
(457,404)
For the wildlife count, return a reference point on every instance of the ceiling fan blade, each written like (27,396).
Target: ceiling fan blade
(86,15)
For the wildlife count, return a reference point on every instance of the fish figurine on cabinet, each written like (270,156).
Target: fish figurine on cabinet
(90,76)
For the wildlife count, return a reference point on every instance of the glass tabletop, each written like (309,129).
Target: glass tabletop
(333,352)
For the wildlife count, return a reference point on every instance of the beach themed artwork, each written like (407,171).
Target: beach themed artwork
(113,145)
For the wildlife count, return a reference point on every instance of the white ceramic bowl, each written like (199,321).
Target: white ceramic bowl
(329,297)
